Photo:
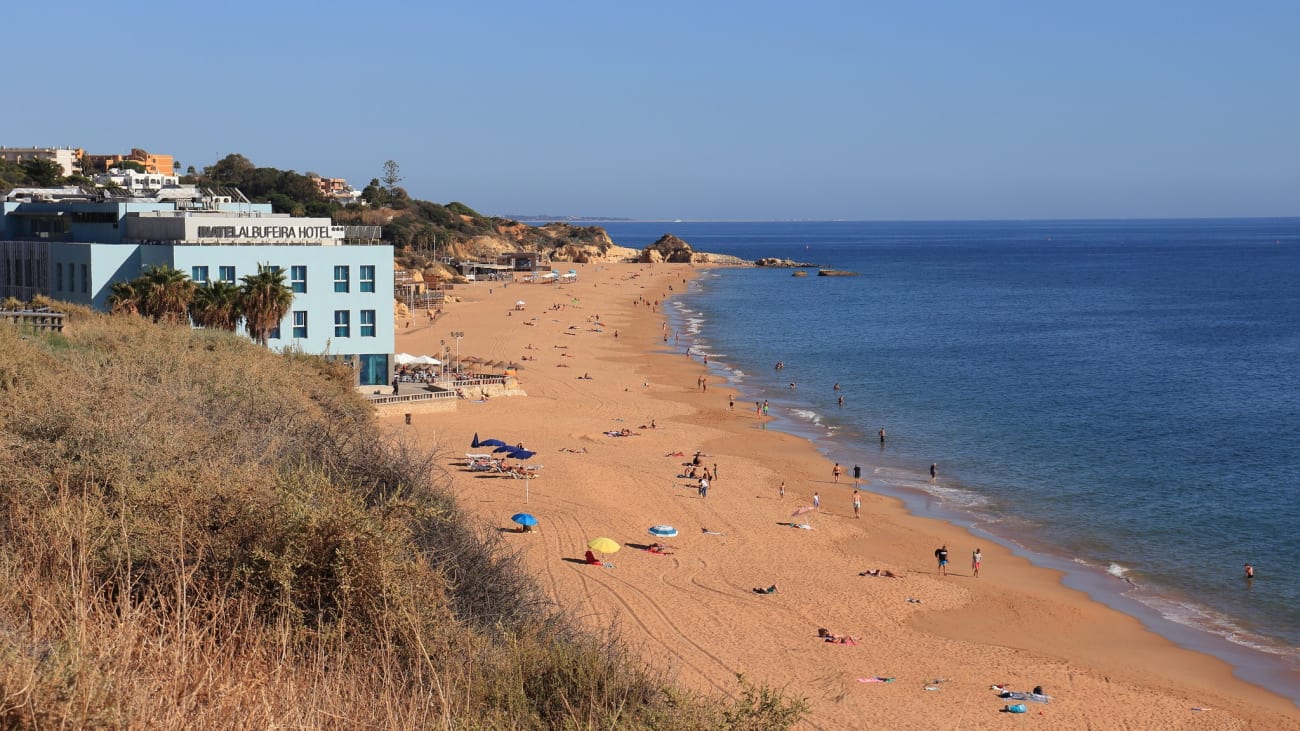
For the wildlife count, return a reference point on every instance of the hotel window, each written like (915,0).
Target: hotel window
(342,324)
(274,334)
(367,323)
(199,275)
(298,279)
(226,274)
(58,276)
(300,323)
(341,278)
(85,279)
(367,278)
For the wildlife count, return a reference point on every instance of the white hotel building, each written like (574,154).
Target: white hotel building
(342,277)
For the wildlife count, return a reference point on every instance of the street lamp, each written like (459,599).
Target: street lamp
(458,334)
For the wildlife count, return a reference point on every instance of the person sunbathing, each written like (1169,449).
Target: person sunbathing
(828,636)
(880,572)
(660,549)
(769,590)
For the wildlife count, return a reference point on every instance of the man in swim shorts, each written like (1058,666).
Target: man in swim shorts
(941,553)
(976,559)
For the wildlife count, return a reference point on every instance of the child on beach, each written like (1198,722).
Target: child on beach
(976,559)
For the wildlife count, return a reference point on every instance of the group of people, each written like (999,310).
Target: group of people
(941,556)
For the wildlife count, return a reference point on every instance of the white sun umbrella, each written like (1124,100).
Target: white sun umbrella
(403,359)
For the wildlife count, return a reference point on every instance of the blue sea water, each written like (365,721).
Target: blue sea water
(1120,397)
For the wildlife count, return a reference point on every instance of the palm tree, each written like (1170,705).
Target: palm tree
(217,305)
(123,298)
(266,299)
(165,293)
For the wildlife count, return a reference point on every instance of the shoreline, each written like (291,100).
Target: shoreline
(1255,658)
(1019,623)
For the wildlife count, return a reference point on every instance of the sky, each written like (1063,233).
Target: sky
(695,110)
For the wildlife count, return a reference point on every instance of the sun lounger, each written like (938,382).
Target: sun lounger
(519,472)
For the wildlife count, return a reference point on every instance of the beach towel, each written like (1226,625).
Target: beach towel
(1035,697)
(877,679)
(1017,708)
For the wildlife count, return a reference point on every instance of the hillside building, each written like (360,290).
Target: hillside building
(153,164)
(68,158)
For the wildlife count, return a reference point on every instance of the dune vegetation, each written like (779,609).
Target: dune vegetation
(200,534)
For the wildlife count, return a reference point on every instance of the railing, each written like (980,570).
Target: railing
(408,398)
(36,320)
(480,381)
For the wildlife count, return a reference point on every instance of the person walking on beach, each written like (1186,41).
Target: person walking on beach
(857,504)
(835,472)
(882,436)
(764,407)
(941,555)
(976,559)
(731,403)
(780,491)
(704,488)
(934,471)
(857,474)
(817,500)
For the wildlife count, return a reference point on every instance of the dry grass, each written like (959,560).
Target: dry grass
(198,534)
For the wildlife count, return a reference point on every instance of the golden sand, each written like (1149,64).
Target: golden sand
(694,612)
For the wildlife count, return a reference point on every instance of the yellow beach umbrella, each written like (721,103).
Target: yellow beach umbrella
(603,545)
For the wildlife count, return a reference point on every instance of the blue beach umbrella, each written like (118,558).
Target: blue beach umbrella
(524,519)
(503,448)
(492,443)
(521,454)
(475,444)
(663,531)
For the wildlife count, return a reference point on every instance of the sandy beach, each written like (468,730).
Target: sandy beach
(928,648)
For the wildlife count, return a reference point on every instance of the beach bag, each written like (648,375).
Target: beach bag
(1017,708)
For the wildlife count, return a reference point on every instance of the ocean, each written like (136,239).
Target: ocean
(1118,399)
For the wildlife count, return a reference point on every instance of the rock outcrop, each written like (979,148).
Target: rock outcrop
(669,249)
(835,273)
(783,263)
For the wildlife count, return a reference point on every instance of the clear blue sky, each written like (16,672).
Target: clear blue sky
(695,110)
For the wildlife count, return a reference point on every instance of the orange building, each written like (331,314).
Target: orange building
(155,164)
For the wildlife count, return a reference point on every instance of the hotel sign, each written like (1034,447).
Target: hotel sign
(297,233)
(244,231)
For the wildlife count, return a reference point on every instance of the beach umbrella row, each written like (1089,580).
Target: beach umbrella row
(480,443)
